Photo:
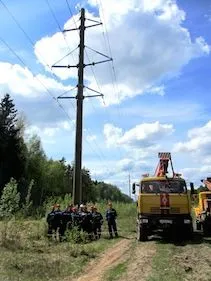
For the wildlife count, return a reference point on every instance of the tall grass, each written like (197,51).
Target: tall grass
(27,254)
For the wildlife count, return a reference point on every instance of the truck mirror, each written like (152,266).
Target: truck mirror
(191,188)
(134,188)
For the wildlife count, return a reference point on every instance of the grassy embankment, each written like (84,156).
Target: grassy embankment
(26,253)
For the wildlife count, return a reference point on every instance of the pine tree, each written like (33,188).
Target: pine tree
(12,147)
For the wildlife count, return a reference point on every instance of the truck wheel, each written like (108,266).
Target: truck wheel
(206,231)
(141,233)
(189,231)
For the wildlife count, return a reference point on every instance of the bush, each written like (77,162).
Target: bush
(9,203)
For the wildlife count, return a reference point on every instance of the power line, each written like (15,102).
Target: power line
(34,76)
(28,37)
(47,90)
(33,43)
(71,14)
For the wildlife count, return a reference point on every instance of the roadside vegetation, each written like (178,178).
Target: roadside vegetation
(30,183)
(27,254)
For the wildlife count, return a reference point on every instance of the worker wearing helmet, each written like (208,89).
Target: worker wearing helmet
(97,221)
(66,221)
(58,220)
(85,220)
(75,218)
(111,216)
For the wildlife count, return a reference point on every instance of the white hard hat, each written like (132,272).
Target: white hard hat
(81,206)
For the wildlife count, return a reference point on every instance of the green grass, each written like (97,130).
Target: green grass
(162,266)
(116,272)
(26,253)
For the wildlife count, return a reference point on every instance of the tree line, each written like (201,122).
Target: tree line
(25,162)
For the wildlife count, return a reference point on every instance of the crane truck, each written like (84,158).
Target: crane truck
(203,210)
(164,203)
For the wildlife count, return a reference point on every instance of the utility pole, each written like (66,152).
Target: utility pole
(77,177)
(129,186)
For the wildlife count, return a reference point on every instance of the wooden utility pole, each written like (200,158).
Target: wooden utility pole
(77,177)
(129,186)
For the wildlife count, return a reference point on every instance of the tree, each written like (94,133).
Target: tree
(36,169)
(12,147)
(9,203)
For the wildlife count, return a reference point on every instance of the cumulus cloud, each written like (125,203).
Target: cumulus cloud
(49,132)
(20,81)
(160,48)
(195,174)
(199,141)
(144,135)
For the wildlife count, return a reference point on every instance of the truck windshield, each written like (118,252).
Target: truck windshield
(168,186)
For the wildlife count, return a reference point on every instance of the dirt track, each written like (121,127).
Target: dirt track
(138,261)
(112,256)
(189,261)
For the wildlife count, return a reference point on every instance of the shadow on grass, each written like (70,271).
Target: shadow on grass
(180,241)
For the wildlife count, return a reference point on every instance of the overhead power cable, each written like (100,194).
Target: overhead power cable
(21,60)
(48,91)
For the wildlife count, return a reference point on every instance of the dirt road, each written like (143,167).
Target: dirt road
(96,269)
(137,255)
(153,260)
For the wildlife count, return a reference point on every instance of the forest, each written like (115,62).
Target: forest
(29,178)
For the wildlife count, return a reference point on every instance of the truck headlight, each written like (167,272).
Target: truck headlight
(144,220)
(186,221)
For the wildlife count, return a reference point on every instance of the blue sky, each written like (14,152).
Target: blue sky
(160,100)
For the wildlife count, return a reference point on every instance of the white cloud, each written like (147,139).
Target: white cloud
(197,173)
(160,48)
(144,135)
(199,141)
(112,134)
(67,125)
(19,80)
(46,132)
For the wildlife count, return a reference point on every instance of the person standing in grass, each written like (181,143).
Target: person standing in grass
(97,221)
(50,221)
(111,216)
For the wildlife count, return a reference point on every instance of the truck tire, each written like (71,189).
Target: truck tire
(189,232)
(206,230)
(141,233)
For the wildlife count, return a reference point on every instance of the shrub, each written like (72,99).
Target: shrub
(9,203)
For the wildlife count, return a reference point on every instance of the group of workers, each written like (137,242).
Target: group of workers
(89,221)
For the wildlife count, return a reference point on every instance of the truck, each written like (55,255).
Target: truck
(164,202)
(203,210)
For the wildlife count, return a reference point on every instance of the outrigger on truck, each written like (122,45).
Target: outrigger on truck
(164,202)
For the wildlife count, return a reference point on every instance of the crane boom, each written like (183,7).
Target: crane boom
(162,168)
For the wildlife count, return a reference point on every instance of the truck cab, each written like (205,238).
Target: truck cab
(164,203)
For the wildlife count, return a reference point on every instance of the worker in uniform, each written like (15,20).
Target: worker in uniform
(75,218)
(111,216)
(58,221)
(85,220)
(66,221)
(50,221)
(97,221)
